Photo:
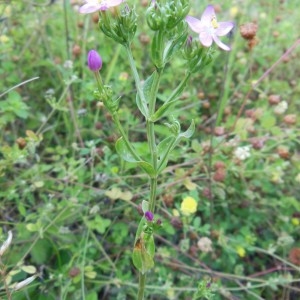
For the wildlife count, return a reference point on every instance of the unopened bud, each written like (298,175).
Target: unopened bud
(94,61)
(6,244)
(24,283)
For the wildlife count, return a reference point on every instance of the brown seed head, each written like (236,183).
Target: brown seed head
(290,119)
(76,50)
(21,142)
(220,175)
(248,31)
(274,99)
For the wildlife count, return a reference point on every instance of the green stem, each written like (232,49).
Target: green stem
(124,136)
(136,77)
(179,88)
(142,281)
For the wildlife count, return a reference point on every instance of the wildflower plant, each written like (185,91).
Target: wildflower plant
(170,23)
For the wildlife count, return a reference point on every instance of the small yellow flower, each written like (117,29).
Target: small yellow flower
(4,39)
(295,221)
(240,251)
(188,206)
(234,11)
(175,212)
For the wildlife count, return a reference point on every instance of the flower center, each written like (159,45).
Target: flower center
(214,22)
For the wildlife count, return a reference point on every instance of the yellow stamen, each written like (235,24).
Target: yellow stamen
(214,22)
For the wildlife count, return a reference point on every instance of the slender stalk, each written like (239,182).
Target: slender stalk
(180,87)
(142,282)
(124,136)
(136,77)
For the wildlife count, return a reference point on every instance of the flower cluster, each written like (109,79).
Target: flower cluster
(208,28)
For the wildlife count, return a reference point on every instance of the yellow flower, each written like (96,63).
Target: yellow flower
(175,213)
(295,221)
(240,251)
(188,206)
(4,39)
(234,11)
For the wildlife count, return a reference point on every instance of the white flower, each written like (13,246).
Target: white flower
(68,64)
(242,153)
(280,108)
(204,244)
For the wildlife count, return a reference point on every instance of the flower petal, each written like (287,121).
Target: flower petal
(205,38)
(224,28)
(194,24)
(208,15)
(220,44)
(112,3)
(90,7)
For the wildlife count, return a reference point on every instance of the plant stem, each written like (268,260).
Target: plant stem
(124,136)
(142,281)
(136,77)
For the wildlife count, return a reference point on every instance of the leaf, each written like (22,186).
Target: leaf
(242,127)
(189,132)
(267,121)
(162,110)
(41,252)
(142,106)
(147,168)
(145,206)
(123,151)
(125,154)
(189,184)
(114,193)
(142,255)
(29,269)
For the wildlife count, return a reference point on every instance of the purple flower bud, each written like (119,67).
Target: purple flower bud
(94,61)
(149,216)
(158,222)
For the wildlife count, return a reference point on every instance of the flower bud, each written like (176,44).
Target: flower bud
(6,244)
(94,61)
(149,216)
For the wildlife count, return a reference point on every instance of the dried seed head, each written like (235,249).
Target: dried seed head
(76,50)
(144,39)
(219,165)
(290,119)
(220,175)
(274,99)
(283,152)
(248,31)
(21,142)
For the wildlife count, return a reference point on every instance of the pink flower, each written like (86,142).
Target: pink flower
(94,5)
(209,29)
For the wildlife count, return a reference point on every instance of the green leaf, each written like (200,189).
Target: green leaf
(162,110)
(41,252)
(143,253)
(147,168)
(145,206)
(189,132)
(125,153)
(142,106)
(267,121)
(164,145)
